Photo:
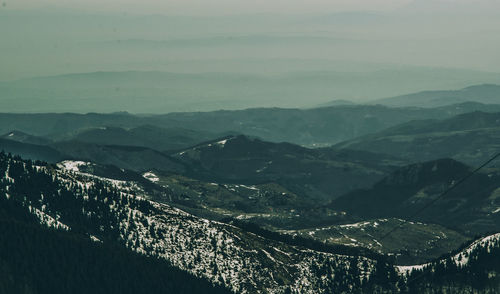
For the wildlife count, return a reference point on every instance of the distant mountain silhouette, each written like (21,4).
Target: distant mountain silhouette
(487,94)
(472,138)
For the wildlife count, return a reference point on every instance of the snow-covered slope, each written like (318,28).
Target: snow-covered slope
(460,259)
(243,262)
(488,242)
(111,211)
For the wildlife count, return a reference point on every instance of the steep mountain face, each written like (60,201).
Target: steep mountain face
(472,207)
(114,211)
(318,173)
(471,138)
(487,94)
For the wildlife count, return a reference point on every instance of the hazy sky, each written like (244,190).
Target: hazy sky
(224,7)
(359,46)
(47,37)
(203,7)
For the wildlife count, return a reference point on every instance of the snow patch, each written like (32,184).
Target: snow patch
(358,225)
(222,142)
(151,177)
(407,269)
(95,239)
(71,165)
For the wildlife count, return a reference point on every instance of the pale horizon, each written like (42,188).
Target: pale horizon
(351,50)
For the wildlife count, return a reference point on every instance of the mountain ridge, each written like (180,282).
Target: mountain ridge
(483,93)
(469,137)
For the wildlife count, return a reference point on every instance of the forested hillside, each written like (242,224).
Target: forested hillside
(105,221)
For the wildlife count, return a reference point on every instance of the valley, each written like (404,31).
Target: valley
(230,203)
(250,147)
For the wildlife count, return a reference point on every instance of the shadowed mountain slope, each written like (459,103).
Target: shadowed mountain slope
(323,173)
(472,207)
(472,138)
(308,127)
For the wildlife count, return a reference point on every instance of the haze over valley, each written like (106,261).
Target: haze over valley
(250,147)
(145,58)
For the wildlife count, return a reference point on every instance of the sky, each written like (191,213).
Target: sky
(364,44)
(228,7)
(213,7)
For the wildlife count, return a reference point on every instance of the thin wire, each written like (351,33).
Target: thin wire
(422,274)
(400,225)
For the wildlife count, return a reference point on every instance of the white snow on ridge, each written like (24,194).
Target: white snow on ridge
(407,269)
(71,165)
(361,224)
(196,245)
(355,225)
(252,187)
(151,177)
(460,259)
(223,142)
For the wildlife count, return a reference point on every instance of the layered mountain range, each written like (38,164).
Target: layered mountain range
(338,199)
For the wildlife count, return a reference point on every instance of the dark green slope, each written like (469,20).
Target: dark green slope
(25,138)
(134,158)
(472,138)
(105,214)
(470,208)
(317,173)
(57,125)
(31,151)
(310,127)
(36,260)
(478,273)
(157,138)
